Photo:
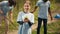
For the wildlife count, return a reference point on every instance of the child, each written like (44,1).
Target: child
(5,7)
(25,19)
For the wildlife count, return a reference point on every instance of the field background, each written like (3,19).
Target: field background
(53,27)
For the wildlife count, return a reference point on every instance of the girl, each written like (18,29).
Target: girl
(25,19)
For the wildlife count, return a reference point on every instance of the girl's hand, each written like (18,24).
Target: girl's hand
(26,20)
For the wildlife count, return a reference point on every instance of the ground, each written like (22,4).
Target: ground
(34,26)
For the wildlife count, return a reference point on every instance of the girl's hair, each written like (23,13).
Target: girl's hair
(12,2)
(27,1)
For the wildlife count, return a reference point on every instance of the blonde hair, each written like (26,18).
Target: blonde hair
(27,1)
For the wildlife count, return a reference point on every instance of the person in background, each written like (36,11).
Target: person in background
(5,7)
(44,9)
(10,14)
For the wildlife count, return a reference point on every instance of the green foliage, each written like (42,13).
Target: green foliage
(53,28)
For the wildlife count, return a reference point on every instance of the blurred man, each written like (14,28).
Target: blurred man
(44,9)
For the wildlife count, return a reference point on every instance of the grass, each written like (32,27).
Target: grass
(53,28)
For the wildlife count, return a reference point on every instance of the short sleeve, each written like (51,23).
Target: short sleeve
(37,4)
(48,3)
(32,18)
(19,18)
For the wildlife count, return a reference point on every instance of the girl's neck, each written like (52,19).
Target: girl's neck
(26,11)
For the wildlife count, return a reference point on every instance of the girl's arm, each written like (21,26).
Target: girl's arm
(19,19)
(31,22)
(20,22)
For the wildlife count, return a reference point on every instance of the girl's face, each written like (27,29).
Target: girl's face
(26,7)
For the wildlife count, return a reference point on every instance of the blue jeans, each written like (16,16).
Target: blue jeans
(44,24)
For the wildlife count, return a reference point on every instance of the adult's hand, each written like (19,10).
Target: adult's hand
(51,18)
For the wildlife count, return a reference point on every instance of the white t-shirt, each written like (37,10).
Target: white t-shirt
(25,28)
(22,16)
(43,9)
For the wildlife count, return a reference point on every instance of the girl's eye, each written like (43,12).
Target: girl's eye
(26,6)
